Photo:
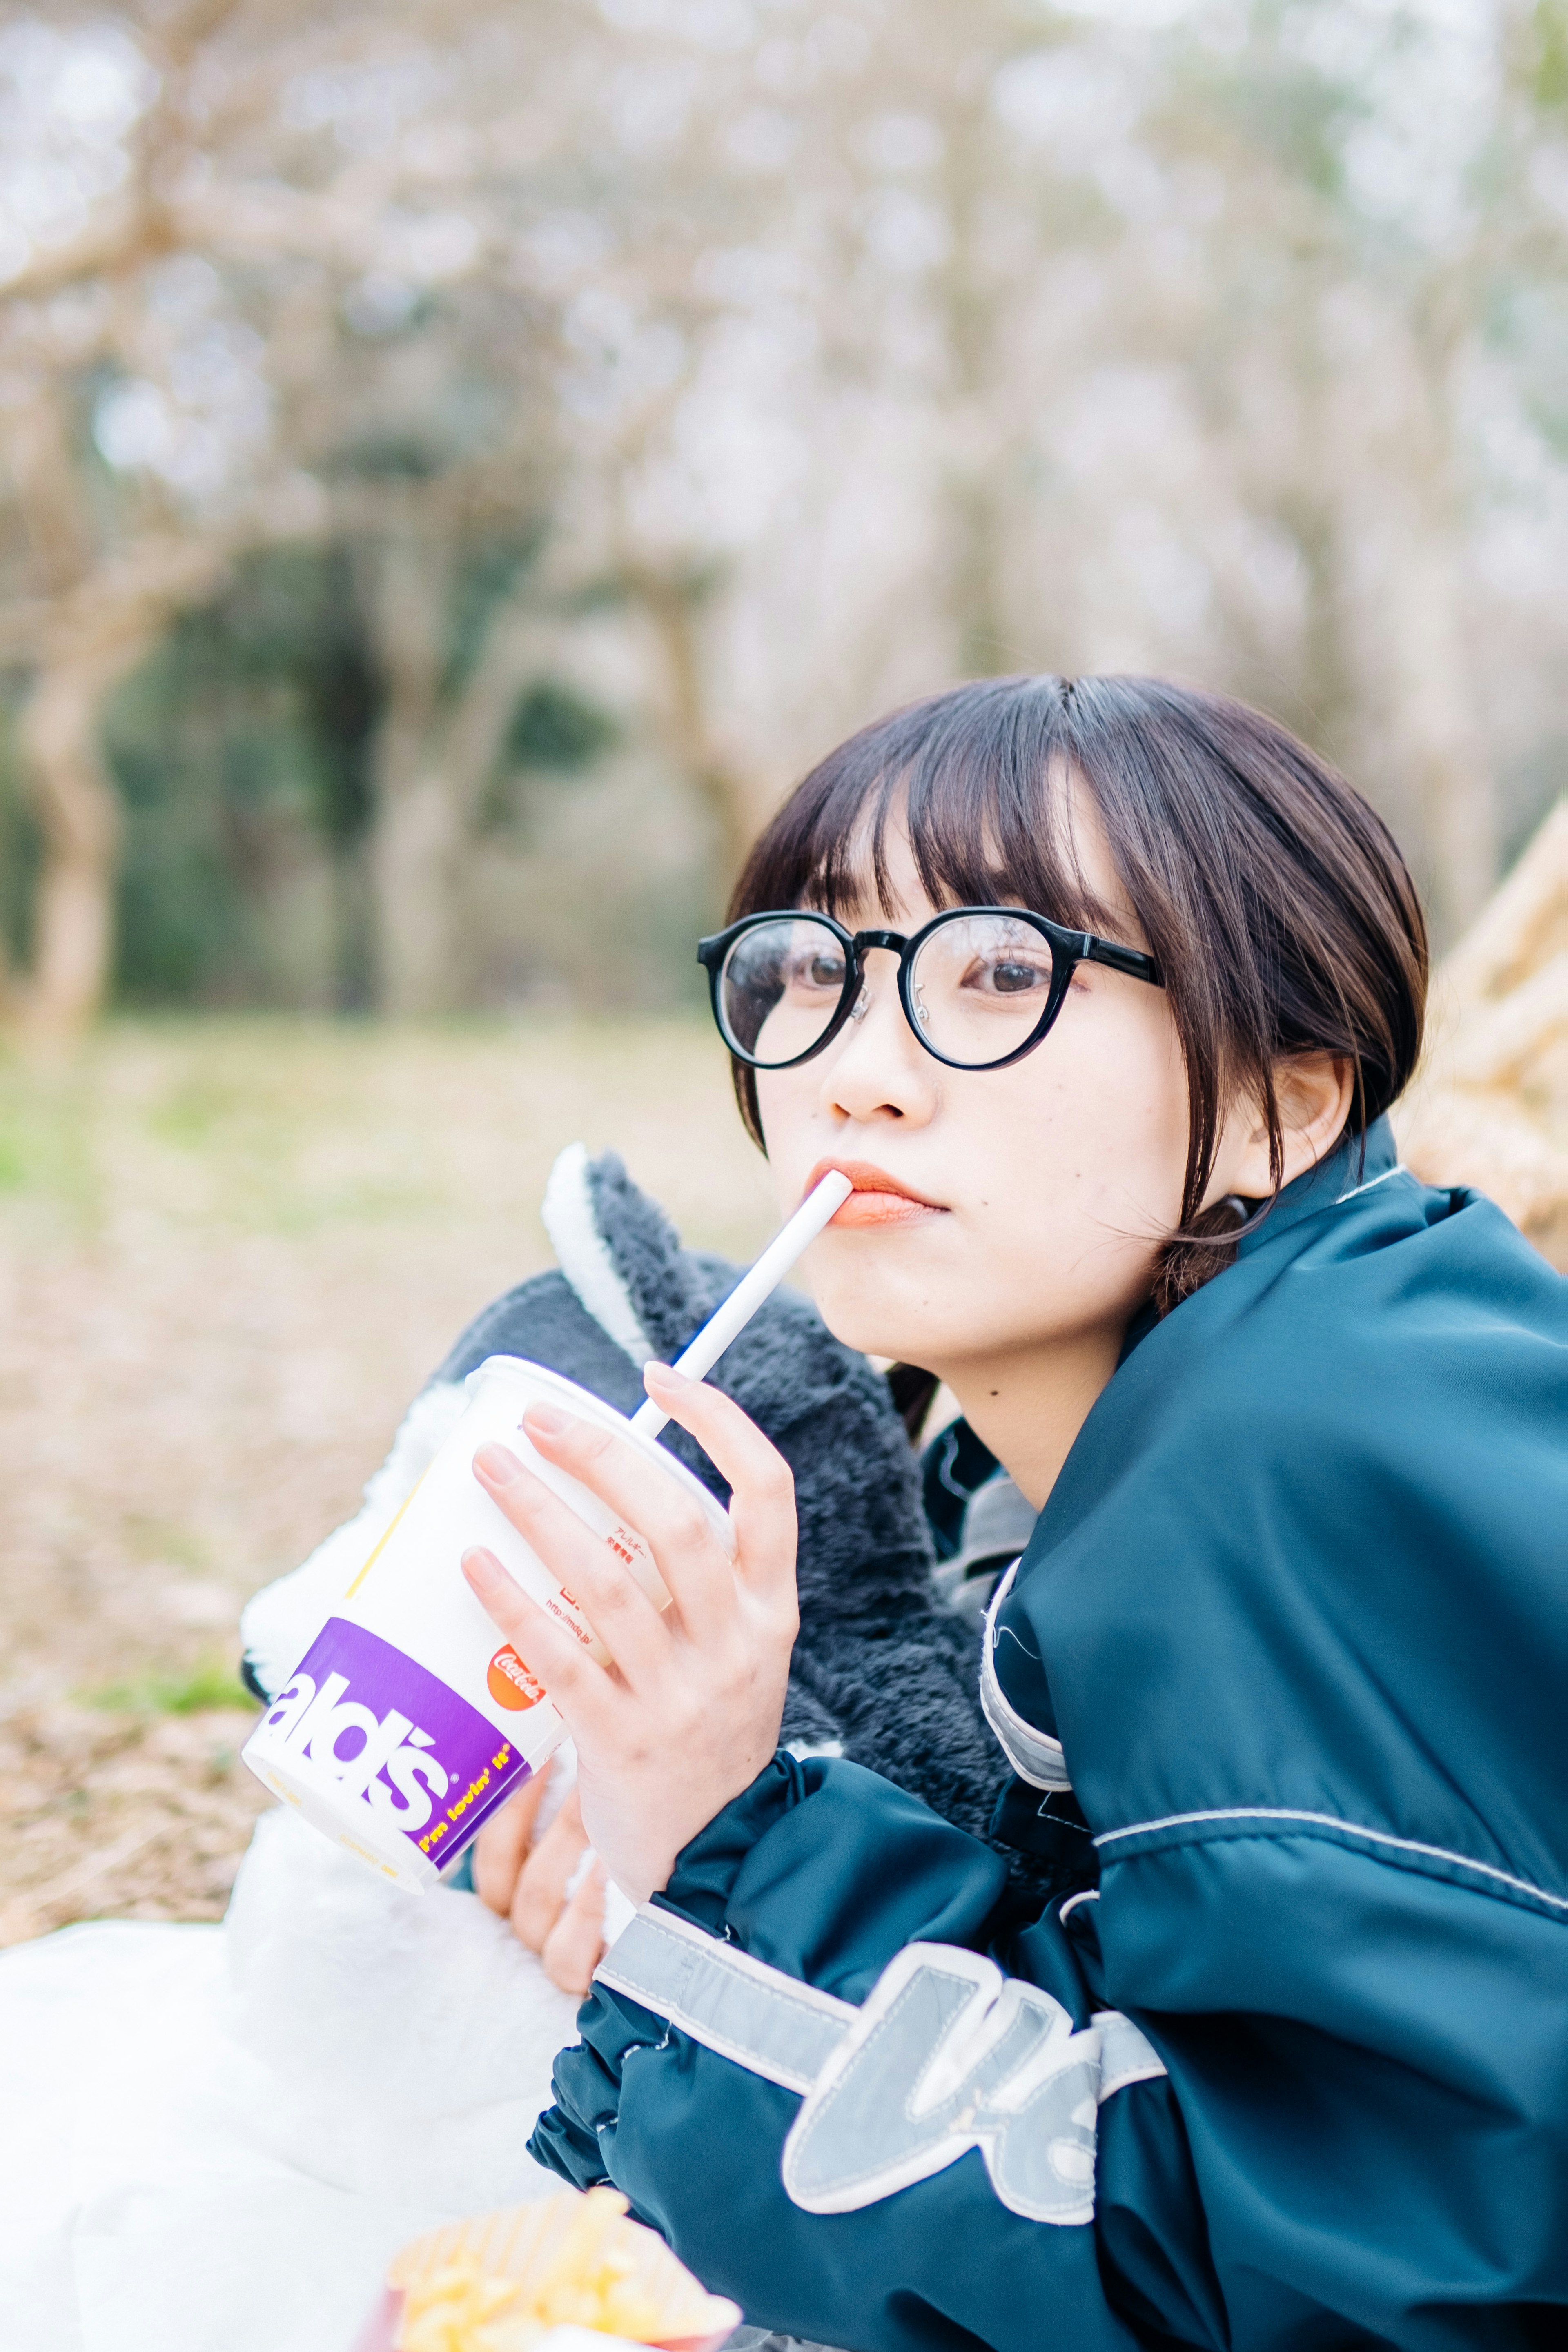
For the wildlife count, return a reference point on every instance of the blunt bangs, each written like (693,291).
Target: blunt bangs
(1271,895)
(984,807)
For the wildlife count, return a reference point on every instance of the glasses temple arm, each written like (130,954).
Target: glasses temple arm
(1132,960)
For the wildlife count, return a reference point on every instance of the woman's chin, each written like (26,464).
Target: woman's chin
(875,1324)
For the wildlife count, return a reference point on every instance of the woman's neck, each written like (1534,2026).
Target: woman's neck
(1029,1406)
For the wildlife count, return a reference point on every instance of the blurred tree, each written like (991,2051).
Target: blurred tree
(555,730)
(180,354)
(241,749)
(741,366)
(97,601)
(1409,207)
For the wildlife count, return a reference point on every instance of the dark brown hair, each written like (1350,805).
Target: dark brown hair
(1273,898)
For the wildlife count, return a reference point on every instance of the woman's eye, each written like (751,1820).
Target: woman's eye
(824,971)
(1007,976)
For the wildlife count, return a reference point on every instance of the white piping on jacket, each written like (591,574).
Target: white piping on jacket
(1084,1894)
(1332,1821)
(1370,1185)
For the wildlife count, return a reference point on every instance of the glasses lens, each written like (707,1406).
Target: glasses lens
(980,986)
(780,987)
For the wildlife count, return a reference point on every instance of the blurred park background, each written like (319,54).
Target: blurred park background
(459,463)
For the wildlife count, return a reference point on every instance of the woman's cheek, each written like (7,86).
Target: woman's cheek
(1131,1094)
(785,1111)
(1157,1119)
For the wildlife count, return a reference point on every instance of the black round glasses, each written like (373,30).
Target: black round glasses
(979,986)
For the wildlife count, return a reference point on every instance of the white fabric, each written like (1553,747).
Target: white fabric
(215,2137)
(585,1255)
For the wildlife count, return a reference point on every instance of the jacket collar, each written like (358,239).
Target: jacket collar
(1346,1171)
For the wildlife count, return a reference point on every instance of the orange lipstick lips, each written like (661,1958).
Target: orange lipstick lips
(878,1199)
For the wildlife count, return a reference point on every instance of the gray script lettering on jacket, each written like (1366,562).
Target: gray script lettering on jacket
(947,2054)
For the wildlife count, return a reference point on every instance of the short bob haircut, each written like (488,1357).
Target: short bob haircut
(1274,899)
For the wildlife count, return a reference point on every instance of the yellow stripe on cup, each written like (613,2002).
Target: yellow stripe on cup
(386,1538)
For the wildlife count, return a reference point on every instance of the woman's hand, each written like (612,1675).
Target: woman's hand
(690,1712)
(556,1908)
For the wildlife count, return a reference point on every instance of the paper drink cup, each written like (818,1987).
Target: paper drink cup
(408,1721)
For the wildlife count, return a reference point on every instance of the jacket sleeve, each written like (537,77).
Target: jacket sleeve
(857,2093)
(807,2066)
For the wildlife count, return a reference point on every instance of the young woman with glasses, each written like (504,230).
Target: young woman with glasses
(1244,2026)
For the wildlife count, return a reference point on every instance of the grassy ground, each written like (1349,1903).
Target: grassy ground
(230,1252)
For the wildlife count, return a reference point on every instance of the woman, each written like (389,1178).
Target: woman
(1099,992)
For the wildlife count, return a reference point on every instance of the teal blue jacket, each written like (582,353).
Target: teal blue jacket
(1284,2063)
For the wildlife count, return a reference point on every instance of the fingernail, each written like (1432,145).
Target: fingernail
(665,1376)
(482,1567)
(546,1418)
(497,1464)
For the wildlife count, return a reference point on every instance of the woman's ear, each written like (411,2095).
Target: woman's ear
(1315,1092)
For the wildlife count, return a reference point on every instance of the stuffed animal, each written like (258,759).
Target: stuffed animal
(883,1671)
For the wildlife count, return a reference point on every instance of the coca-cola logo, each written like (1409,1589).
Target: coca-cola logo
(510,1681)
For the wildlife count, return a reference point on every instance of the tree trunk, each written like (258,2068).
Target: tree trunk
(1447,758)
(78,816)
(354,926)
(415,860)
(672,607)
(416,838)
(436,751)
(980,431)
(97,619)
(1326,681)
(72,796)
(1412,521)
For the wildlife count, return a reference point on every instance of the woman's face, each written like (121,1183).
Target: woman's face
(997,1213)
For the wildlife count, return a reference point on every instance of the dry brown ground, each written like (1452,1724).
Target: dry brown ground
(230,1252)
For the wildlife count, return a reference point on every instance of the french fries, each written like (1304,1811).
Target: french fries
(500,2281)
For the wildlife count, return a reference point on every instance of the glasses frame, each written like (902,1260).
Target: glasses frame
(1068,950)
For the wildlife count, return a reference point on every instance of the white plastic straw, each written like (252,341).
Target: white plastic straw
(820,1204)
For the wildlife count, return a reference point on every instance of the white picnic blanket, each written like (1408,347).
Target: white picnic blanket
(212,2138)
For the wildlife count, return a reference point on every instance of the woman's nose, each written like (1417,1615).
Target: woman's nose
(874,1068)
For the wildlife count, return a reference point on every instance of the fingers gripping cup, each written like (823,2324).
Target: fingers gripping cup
(405,1724)
(408,1722)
